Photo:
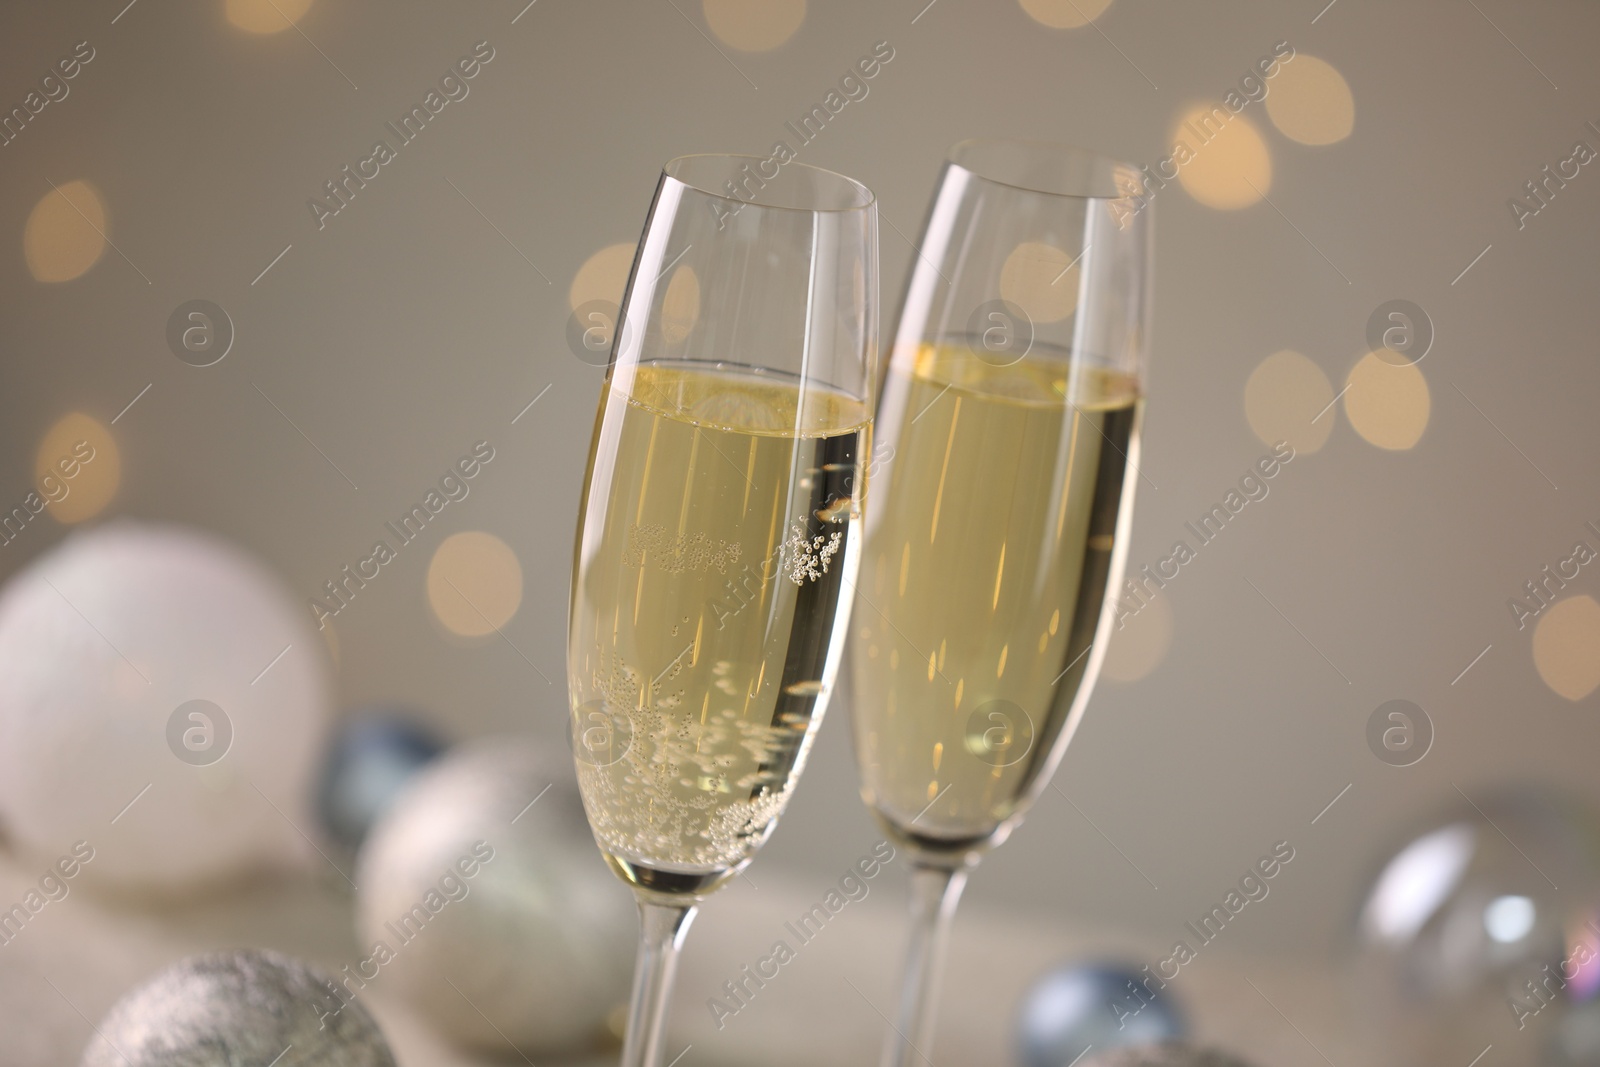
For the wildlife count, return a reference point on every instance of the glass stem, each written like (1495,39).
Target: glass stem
(934,893)
(661,931)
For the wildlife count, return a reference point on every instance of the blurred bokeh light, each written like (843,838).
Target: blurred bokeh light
(1388,405)
(474,583)
(1064,14)
(603,276)
(1286,398)
(754,25)
(1036,277)
(266,16)
(1310,102)
(680,307)
(77,468)
(1140,644)
(1230,167)
(1566,647)
(65,232)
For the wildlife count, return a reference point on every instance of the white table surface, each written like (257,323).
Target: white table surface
(822,1008)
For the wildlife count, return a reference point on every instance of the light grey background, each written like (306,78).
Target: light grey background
(409,328)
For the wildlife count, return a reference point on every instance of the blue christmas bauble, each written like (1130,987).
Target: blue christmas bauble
(1104,1006)
(374,754)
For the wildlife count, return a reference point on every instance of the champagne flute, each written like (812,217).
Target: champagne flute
(717,541)
(997,531)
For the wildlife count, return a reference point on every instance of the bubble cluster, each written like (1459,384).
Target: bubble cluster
(691,792)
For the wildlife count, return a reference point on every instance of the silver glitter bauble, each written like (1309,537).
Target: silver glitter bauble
(245,1008)
(1166,1054)
(485,905)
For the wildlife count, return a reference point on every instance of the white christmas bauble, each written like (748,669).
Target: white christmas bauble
(161,701)
(496,919)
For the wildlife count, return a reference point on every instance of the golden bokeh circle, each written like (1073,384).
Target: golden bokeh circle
(1223,161)
(1566,647)
(1388,405)
(1064,14)
(603,276)
(1310,102)
(474,583)
(754,25)
(266,16)
(1033,279)
(77,468)
(1141,644)
(680,305)
(1288,398)
(63,236)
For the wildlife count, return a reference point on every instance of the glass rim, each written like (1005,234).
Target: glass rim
(1104,178)
(864,194)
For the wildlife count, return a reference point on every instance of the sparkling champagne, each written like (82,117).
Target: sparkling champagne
(989,544)
(715,559)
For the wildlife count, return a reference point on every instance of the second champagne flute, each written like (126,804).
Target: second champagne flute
(717,548)
(997,531)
